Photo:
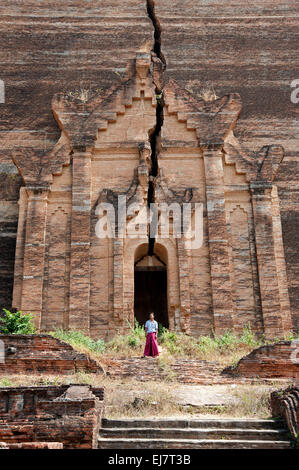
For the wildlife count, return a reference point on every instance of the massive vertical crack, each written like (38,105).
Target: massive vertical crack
(157,58)
(157,49)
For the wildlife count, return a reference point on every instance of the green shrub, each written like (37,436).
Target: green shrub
(161,329)
(133,341)
(16,323)
(137,335)
(248,337)
(291,336)
(180,344)
(78,338)
(226,341)
(227,348)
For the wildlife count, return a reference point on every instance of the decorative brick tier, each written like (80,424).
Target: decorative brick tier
(36,354)
(70,415)
(272,361)
(285,405)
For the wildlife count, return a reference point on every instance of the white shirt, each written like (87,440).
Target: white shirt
(152,326)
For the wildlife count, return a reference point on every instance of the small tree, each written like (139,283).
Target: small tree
(16,323)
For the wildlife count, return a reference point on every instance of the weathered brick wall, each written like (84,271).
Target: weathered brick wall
(274,360)
(249,48)
(38,354)
(70,415)
(239,46)
(50,47)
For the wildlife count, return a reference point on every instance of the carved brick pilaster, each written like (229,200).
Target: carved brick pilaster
(118,275)
(34,253)
(281,263)
(184,283)
(268,253)
(80,240)
(218,240)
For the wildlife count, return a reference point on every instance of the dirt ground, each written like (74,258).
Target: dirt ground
(128,397)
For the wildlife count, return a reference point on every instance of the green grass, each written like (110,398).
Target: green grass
(226,349)
(209,347)
(6,382)
(133,342)
(79,339)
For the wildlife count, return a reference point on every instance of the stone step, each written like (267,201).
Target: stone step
(104,443)
(215,423)
(198,434)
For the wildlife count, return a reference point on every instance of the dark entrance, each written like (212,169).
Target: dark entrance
(151,294)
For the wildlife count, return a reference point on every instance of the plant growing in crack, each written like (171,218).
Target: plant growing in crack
(208,94)
(83,94)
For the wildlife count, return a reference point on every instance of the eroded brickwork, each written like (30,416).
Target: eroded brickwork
(250,47)
(274,360)
(39,354)
(69,415)
(285,405)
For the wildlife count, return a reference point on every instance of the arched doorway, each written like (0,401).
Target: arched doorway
(150,286)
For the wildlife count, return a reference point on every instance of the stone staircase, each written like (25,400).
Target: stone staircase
(193,434)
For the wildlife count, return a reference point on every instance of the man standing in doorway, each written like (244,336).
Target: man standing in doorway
(151,330)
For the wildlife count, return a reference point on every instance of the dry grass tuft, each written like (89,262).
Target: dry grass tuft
(208,94)
(130,398)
